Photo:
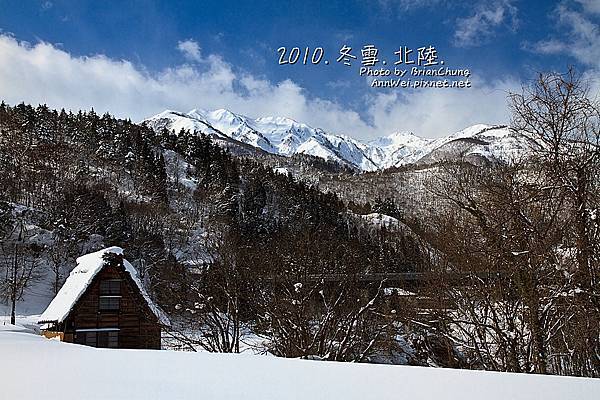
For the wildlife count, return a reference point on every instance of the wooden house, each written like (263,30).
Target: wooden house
(103,304)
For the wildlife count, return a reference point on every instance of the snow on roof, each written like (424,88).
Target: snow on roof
(81,277)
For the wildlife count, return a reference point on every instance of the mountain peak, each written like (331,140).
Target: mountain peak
(197,113)
(286,136)
(399,138)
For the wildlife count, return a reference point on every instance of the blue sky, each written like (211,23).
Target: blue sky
(135,58)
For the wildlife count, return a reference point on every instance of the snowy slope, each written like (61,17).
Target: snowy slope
(174,120)
(285,136)
(483,141)
(34,368)
(398,149)
(276,135)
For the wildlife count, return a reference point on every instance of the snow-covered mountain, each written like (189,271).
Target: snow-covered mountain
(285,136)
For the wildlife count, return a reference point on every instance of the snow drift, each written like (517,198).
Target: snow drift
(33,367)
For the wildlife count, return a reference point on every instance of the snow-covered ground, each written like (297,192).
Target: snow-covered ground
(34,368)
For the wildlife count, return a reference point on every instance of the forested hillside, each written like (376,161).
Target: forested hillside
(225,244)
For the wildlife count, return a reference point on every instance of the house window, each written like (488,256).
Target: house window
(98,338)
(108,339)
(110,287)
(109,303)
(89,338)
(110,295)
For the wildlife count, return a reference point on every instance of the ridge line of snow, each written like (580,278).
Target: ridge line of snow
(286,136)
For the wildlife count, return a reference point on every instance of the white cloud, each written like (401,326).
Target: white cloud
(441,111)
(190,49)
(408,5)
(583,41)
(483,24)
(42,73)
(591,6)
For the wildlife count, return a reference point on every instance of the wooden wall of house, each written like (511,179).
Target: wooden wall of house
(138,326)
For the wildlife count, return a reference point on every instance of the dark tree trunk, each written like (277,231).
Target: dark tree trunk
(13,292)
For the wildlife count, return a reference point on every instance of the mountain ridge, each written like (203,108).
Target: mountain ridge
(286,137)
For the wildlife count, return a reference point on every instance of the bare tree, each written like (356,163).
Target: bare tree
(520,240)
(560,112)
(20,264)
